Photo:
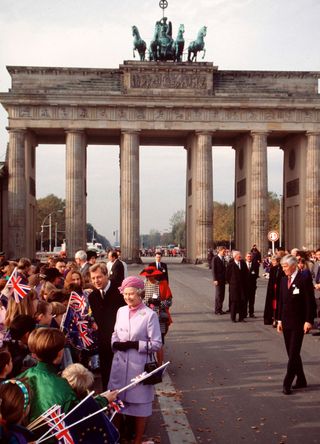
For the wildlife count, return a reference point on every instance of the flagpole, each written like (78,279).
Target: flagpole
(139,379)
(72,425)
(74,408)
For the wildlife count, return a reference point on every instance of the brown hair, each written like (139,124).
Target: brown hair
(58,308)
(68,279)
(46,343)
(12,405)
(5,357)
(26,306)
(99,266)
(42,309)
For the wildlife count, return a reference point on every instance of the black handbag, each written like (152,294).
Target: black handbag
(150,365)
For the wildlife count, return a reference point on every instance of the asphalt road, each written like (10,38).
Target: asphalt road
(224,383)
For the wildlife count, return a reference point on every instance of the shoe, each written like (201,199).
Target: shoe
(286,391)
(222,312)
(227,311)
(317,333)
(252,316)
(233,320)
(299,385)
(242,320)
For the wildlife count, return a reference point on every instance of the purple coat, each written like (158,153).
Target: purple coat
(143,325)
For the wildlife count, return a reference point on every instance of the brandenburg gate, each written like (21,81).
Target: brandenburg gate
(193,105)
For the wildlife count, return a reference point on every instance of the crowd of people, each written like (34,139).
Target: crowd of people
(292,300)
(62,321)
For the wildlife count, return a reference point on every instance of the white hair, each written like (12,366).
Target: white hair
(289,259)
(81,254)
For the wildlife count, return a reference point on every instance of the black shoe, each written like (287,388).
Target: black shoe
(222,312)
(242,320)
(317,333)
(233,320)
(252,316)
(227,311)
(299,385)
(286,391)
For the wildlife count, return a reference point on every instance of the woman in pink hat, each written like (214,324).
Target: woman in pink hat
(136,333)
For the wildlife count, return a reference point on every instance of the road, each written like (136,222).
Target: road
(224,383)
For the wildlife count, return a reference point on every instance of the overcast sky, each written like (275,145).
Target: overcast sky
(242,34)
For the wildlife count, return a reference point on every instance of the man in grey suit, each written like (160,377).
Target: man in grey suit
(295,318)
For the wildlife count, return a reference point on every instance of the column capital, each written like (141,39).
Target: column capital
(204,133)
(312,133)
(16,130)
(75,131)
(259,133)
(131,131)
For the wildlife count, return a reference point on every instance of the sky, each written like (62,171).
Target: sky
(241,35)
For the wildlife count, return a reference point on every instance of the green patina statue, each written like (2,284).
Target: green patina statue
(162,46)
(138,44)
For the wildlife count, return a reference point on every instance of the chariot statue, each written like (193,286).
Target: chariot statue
(163,47)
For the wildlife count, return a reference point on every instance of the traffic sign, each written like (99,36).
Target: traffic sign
(273,236)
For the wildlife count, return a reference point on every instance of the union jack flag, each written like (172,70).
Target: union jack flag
(54,421)
(18,286)
(115,406)
(78,302)
(84,334)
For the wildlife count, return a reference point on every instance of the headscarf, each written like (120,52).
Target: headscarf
(131,281)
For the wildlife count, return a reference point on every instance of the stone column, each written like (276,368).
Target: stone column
(17,195)
(259,191)
(129,196)
(204,195)
(312,215)
(76,193)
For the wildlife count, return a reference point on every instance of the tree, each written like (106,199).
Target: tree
(273,211)
(178,228)
(223,222)
(55,206)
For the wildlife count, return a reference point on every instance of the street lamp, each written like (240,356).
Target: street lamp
(50,228)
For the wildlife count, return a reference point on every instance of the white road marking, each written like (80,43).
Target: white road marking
(176,422)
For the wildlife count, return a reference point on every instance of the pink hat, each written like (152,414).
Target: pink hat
(131,281)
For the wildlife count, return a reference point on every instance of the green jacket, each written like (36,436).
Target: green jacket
(47,389)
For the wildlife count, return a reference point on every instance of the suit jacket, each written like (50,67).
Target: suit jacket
(252,275)
(296,304)
(237,280)
(163,268)
(105,310)
(116,274)
(219,270)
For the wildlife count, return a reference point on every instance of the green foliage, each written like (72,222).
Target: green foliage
(223,222)
(223,218)
(93,234)
(178,228)
(55,206)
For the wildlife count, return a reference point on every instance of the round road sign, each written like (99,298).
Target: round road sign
(273,236)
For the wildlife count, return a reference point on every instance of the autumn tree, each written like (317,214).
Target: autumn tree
(178,228)
(223,222)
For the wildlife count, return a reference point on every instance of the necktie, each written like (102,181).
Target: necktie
(249,266)
(289,281)
(102,294)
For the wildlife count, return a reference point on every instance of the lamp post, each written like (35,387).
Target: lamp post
(50,229)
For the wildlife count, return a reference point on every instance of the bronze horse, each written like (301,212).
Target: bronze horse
(197,45)
(138,44)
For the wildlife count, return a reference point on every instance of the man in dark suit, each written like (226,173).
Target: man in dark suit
(104,301)
(296,315)
(160,266)
(252,274)
(116,273)
(219,279)
(236,277)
